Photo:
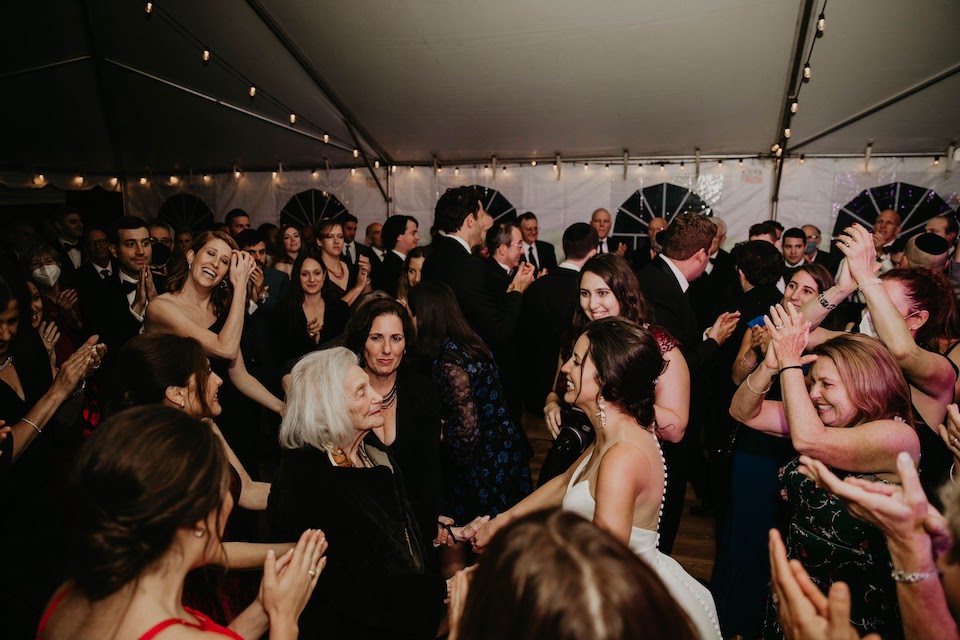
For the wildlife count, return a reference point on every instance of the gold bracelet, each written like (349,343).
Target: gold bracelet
(752,390)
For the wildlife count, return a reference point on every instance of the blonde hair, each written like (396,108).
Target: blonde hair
(316,413)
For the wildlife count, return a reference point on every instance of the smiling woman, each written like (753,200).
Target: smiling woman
(856,418)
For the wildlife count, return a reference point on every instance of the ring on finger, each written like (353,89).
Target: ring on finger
(778,326)
(954,441)
(312,572)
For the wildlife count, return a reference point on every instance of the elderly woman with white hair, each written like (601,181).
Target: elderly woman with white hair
(330,476)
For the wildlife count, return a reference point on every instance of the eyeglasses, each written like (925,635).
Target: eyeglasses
(518,245)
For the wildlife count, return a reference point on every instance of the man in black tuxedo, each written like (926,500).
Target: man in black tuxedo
(603,223)
(793,244)
(400,235)
(665,282)
(116,308)
(540,254)
(460,215)
(504,243)
(547,316)
(813,253)
(100,264)
(374,235)
(351,248)
(67,240)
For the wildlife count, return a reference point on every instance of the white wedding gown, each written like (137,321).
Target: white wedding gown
(692,596)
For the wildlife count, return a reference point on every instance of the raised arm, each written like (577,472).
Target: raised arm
(928,371)
(870,447)
(816,310)
(251,387)
(164,316)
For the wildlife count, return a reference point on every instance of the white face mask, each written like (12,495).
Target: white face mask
(47,275)
(866,326)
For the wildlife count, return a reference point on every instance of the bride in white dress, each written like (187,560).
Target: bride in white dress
(619,482)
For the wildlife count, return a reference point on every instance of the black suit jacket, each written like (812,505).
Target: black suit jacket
(68,273)
(386,277)
(713,293)
(361,250)
(466,275)
(107,313)
(366,516)
(548,306)
(88,277)
(673,311)
(828,260)
(546,253)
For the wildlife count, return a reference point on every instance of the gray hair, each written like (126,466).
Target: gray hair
(721,225)
(316,413)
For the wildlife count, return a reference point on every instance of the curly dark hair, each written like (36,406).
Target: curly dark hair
(358,327)
(624,286)
(223,294)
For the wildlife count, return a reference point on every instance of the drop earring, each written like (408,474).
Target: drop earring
(199,533)
(602,405)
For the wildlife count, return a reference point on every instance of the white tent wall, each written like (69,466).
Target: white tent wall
(810,193)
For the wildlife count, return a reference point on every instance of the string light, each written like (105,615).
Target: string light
(39,178)
(174,180)
(586,166)
(779,152)
(740,163)
(353,171)
(794,106)
(143,181)
(113,182)
(661,167)
(719,163)
(505,166)
(775,147)
(313,174)
(456,171)
(411,168)
(555,168)
(206,55)
(376,164)
(356,153)
(293,118)
(787,133)
(681,166)
(607,166)
(253,91)
(486,168)
(533,163)
(206,178)
(237,173)
(149,7)
(936,161)
(821,24)
(393,169)
(807,71)
(439,169)
(79,179)
(802,158)
(326,138)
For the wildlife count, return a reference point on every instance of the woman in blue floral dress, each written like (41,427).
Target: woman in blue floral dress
(486,455)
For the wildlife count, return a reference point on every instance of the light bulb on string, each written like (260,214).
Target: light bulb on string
(353,171)
(505,168)
(774,148)
(439,169)
(661,167)
(821,24)
(807,72)
(206,55)
(456,171)
(787,133)
(79,179)
(253,91)
(393,169)
(206,178)
(681,166)
(555,168)
(273,174)
(719,163)
(936,161)
(740,163)
(356,153)
(143,181)
(779,152)
(326,138)
(149,7)
(293,118)
(607,167)
(376,164)
(533,163)
(39,178)
(586,166)
(174,180)
(411,168)
(802,158)
(794,106)
(237,174)
(113,182)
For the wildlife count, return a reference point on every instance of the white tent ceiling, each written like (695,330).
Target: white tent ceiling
(462,80)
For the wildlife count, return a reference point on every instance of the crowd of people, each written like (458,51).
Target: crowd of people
(282,432)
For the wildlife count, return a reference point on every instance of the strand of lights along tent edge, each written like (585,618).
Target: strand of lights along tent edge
(793,101)
(253,91)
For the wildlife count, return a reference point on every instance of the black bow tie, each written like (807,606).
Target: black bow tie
(67,246)
(127,287)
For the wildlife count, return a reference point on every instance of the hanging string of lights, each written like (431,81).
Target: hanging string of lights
(207,56)
(793,100)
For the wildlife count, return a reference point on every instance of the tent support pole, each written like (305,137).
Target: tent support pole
(799,44)
(366,161)
(318,80)
(97,58)
(882,105)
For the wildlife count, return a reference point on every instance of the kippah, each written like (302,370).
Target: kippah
(932,243)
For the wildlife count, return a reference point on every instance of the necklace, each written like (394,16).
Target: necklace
(9,361)
(391,398)
(335,274)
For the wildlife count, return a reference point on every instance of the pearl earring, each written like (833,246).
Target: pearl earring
(602,405)
(199,533)
(182,404)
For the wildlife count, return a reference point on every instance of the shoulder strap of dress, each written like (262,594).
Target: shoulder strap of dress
(53,605)
(160,626)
